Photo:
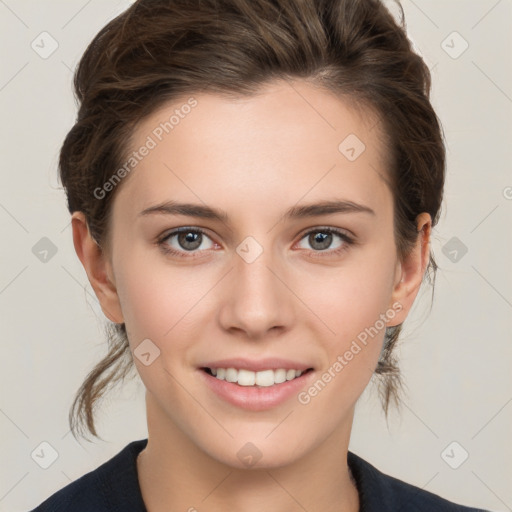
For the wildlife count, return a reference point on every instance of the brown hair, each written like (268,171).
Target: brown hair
(159,50)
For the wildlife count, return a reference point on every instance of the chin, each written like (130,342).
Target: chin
(256,452)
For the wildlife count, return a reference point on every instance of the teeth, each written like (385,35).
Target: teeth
(279,376)
(231,375)
(247,378)
(264,378)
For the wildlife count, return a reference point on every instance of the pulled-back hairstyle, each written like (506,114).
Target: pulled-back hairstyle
(159,50)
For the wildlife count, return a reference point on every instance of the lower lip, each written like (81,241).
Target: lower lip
(255,398)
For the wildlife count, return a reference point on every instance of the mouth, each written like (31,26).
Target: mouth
(256,379)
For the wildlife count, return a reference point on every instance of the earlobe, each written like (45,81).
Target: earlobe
(97,267)
(410,271)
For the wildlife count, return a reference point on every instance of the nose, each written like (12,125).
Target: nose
(257,298)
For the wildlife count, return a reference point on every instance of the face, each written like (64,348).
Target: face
(271,283)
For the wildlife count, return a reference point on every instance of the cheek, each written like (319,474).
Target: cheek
(167,306)
(352,299)
(356,311)
(156,296)
(354,305)
(153,310)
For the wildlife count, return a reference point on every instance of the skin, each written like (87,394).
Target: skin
(254,158)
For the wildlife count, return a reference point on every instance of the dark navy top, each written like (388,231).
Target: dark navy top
(114,487)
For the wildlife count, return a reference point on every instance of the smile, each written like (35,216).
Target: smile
(264,378)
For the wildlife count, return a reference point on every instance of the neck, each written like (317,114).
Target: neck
(174,474)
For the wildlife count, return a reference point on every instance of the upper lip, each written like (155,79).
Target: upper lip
(272,363)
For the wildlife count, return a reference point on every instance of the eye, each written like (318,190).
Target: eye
(185,240)
(321,240)
(190,240)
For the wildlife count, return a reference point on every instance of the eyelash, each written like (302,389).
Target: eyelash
(348,241)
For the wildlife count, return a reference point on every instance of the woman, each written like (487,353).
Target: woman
(252,186)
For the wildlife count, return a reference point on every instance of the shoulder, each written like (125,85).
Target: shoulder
(111,486)
(382,493)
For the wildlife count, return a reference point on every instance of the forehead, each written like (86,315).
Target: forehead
(290,140)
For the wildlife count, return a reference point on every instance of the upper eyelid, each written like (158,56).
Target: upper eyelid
(335,230)
(183,229)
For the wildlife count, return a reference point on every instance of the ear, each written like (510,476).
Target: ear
(409,273)
(98,268)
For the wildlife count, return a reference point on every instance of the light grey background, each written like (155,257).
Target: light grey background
(456,359)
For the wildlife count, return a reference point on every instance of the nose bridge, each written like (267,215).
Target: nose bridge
(258,300)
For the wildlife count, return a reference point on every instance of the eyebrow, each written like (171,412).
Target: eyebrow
(296,212)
